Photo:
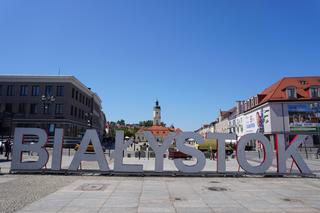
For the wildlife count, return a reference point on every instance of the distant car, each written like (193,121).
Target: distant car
(173,154)
(89,148)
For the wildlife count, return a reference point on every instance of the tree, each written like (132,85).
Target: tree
(121,122)
(163,124)
(146,123)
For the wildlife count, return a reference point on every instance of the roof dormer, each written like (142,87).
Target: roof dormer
(291,92)
(314,91)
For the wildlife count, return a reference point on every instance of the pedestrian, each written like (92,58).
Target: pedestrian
(7,147)
(1,148)
(318,153)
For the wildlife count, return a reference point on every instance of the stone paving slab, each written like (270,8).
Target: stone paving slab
(183,195)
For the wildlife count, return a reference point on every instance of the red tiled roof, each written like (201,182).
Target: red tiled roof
(277,91)
(159,130)
(225,114)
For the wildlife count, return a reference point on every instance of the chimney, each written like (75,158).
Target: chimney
(240,107)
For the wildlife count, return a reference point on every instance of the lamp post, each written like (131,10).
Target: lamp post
(46,101)
(88,117)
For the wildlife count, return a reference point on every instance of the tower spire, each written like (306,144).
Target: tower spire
(157,114)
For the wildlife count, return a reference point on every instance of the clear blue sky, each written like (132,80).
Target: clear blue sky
(195,56)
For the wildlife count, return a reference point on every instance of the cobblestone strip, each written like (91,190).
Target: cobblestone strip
(23,190)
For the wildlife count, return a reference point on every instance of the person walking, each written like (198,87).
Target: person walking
(1,148)
(7,147)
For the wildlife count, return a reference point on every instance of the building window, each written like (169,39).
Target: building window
(72,92)
(71,110)
(48,91)
(315,92)
(0,90)
(8,108)
(77,95)
(75,112)
(35,90)
(22,108)
(291,92)
(23,90)
(303,82)
(10,90)
(60,91)
(59,109)
(34,109)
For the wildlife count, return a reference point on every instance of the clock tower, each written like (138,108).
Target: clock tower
(157,114)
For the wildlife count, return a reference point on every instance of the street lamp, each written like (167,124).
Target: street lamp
(46,101)
(88,117)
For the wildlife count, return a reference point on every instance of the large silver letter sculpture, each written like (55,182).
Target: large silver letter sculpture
(201,160)
(118,156)
(284,153)
(91,135)
(241,155)
(57,149)
(221,140)
(19,147)
(159,149)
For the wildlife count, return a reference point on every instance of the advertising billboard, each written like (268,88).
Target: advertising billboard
(258,121)
(304,117)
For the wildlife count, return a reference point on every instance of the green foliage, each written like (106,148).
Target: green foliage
(147,123)
(121,125)
(121,122)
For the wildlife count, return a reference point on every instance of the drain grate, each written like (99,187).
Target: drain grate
(217,189)
(177,199)
(291,200)
(91,187)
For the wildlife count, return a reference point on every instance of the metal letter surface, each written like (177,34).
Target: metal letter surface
(221,138)
(19,147)
(241,155)
(57,149)
(201,160)
(91,135)
(159,149)
(118,155)
(284,153)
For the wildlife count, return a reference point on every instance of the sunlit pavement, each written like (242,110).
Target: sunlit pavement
(152,194)
(159,194)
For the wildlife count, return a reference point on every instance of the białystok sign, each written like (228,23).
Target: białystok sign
(91,136)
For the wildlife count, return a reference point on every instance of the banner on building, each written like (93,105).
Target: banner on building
(258,121)
(304,117)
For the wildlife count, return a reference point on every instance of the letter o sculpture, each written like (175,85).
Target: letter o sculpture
(268,154)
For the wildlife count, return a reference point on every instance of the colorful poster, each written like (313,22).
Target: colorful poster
(304,117)
(254,122)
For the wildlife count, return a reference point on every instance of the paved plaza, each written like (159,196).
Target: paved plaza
(90,193)
(163,194)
